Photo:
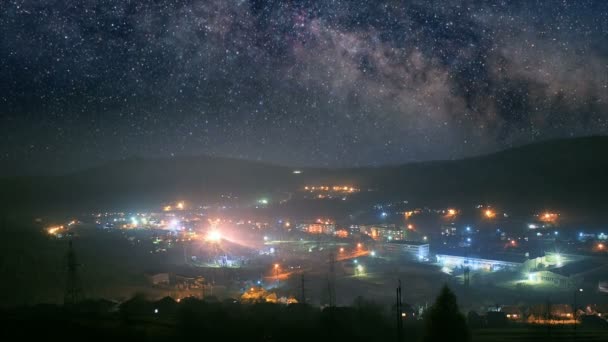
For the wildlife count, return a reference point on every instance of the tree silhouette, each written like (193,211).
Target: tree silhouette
(444,322)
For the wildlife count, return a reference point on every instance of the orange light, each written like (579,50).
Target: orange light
(214,236)
(451,212)
(410,226)
(341,249)
(601,246)
(359,245)
(54,230)
(276,266)
(489,213)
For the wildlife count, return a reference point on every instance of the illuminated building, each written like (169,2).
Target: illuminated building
(448,230)
(548,217)
(408,249)
(334,191)
(317,227)
(493,262)
(342,233)
(566,276)
(383,232)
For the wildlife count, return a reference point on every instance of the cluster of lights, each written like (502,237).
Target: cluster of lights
(55,230)
(336,188)
(214,236)
(489,213)
(178,206)
(451,213)
(548,217)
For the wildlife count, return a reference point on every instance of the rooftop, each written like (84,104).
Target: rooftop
(413,243)
(578,267)
(463,253)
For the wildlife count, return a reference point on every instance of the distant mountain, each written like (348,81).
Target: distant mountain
(559,173)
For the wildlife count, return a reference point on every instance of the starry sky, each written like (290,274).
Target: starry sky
(302,83)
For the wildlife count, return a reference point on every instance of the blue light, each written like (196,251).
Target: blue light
(384,214)
(468,239)
(468,229)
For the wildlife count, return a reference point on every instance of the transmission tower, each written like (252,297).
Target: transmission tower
(303,298)
(467,269)
(73,289)
(399,314)
(331,280)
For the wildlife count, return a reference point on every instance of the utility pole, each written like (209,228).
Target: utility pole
(331,280)
(574,311)
(73,290)
(399,314)
(303,298)
(547,319)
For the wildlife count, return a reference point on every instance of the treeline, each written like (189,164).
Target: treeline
(139,319)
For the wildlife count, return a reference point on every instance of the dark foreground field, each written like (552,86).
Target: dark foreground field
(140,320)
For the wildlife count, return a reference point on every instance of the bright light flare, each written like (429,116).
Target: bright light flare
(489,213)
(214,236)
(54,230)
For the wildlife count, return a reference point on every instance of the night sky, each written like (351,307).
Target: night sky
(317,83)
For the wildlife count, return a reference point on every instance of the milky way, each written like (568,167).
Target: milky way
(330,83)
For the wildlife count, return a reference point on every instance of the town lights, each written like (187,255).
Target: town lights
(489,213)
(360,269)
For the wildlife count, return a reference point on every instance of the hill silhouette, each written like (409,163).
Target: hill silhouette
(559,173)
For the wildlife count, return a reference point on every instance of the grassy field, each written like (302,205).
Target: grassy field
(537,333)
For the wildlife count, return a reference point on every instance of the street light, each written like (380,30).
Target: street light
(574,308)
(276,272)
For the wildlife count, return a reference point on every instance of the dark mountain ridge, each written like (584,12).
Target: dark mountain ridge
(562,173)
